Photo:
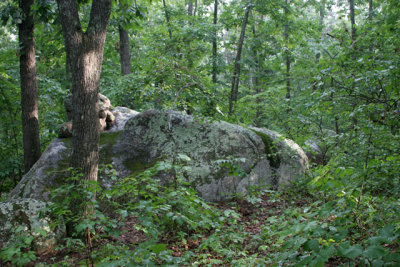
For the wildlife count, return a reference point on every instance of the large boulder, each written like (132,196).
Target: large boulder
(139,140)
(214,147)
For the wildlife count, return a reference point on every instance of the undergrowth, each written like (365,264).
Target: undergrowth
(140,221)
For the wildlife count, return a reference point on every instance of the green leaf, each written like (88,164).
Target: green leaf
(9,252)
(377,240)
(374,252)
(351,252)
(312,244)
(157,248)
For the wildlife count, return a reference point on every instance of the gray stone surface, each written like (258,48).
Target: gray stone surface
(28,214)
(214,147)
(106,117)
(318,148)
(48,172)
(121,115)
(225,159)
(153,135)
(291,161)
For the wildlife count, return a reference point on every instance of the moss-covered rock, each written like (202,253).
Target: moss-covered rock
(225,159)
(287,158)
(28,217)
(215,149)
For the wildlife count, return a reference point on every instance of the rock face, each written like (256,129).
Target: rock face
(287,158)
(50,171)
(24,213)
(106,117)
(262,157)
(153,135)
(139,140)
(318,147)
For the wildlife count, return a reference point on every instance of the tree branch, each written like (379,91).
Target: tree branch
(99,16)
(69,17)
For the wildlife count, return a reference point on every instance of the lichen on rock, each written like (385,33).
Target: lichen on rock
(290,161)
(30,215)
(258,156)
(225,159)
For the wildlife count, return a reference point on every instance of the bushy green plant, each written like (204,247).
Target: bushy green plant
(18,250)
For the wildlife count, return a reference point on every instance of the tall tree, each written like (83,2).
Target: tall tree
(29,91)
(214,44)
(352,22)
(190,8)
(85,55)
(124,51)
(236,71)
(255,81)
(370,10)
(167,19)
(287,49)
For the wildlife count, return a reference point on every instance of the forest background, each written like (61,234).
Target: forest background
(311,70)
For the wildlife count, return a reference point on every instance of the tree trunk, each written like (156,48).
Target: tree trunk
(29,91)
(321,26)
(352,22)
(124,51)
(287,50)
(370,10)
(85,51)
(214,44)
(236,72)
(227,52)
(86,54)
(353,54)
(190,7)
(256,83)
(322,13)
(167,19)
(195,8)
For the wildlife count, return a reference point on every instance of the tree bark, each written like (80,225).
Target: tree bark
(195,8)
(190,7)
(287,50)
(214,44)
(236,72)
(29,91)
(85,51)
(255,81)
(370,10)
(352,21)
(124,51)
(167,19)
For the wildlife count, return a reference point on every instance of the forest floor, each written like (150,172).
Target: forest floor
(267,228)
(262,232)
(252,220)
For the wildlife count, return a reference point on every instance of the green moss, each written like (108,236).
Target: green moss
(67,142)
(270,149)
(20,216)
(107,142)
(137,166)
(109,138)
